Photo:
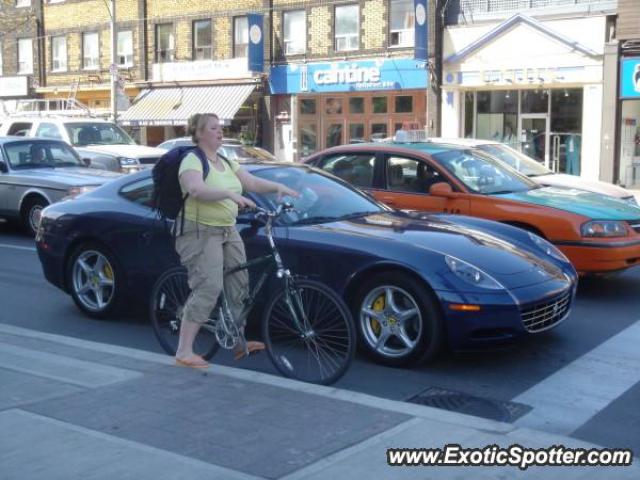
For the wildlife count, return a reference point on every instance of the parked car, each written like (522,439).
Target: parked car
(599,234)
(230,148)
(103,143)
(537,171)
(414,281)
(35,173)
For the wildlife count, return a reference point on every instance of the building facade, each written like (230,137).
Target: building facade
(532,78)
(21,39)
(345,72)
(627,158)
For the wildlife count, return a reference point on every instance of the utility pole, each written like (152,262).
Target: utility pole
(113,69)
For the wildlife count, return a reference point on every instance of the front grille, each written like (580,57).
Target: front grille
(544,315)
(149,160)
(635,224)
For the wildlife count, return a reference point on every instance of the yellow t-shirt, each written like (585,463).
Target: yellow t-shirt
(221,213)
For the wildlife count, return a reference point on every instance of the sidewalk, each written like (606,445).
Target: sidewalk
(72,409)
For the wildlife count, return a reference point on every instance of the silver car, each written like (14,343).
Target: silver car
(37,172)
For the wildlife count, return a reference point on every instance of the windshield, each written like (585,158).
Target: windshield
(515,159)
(26,155)
(97,133)
(482,173)
(322,198)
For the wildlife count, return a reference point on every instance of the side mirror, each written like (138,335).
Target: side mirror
(86,161)
(442,189)
(3,167)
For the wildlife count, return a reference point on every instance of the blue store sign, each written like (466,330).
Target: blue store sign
(381,74)
(630,78)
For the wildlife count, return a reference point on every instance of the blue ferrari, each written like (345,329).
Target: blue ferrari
(415,282)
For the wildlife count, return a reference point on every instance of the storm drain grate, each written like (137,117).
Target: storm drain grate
(470,405)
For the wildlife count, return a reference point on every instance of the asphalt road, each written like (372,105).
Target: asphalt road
(582,379)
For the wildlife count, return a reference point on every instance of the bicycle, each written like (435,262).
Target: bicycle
(307,328)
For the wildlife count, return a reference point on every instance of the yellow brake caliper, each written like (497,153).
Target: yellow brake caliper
(378,306)
(108,272)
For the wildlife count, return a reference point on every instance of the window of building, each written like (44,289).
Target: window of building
(125,48)
(23,3)
(25,56)
(497,114)
(165,43)
(307,106)
(90,51)
(295,32)
(202,40)
(59,54)
(379,105)
(356,105)
(347,26)
(240,37)
(404,104)
(402,23)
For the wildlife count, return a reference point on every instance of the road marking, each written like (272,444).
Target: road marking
(571,396)
(17,247)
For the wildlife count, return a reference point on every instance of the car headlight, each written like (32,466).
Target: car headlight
(126,161)
(75,191)
(472,275)
(604,228)
(547,247)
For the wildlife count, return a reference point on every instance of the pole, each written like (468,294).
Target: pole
(114,63)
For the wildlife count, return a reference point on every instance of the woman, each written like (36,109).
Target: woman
(209,242)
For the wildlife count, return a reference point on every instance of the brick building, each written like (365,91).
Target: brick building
(344,72)
(20,49)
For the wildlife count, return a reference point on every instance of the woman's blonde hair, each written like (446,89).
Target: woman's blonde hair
(197,122)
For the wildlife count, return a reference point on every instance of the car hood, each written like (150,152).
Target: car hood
(588,204)
(131,151)
(571,181)
(73,176)
(505,261)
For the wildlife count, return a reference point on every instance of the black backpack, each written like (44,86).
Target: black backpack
(167,198)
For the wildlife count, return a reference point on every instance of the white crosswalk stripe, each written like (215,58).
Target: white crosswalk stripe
(572,395)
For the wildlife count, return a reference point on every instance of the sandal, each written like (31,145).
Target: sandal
(250,349)
(192,362)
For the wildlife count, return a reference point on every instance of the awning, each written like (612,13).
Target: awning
(174,106)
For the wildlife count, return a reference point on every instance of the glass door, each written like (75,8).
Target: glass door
(534,137)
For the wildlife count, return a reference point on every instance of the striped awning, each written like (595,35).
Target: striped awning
(174,106)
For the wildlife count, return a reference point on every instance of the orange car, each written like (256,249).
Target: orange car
(599,234)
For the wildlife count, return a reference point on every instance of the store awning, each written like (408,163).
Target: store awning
(174,106)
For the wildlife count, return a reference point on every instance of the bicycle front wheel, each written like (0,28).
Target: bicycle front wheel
(309,333)
(169,295)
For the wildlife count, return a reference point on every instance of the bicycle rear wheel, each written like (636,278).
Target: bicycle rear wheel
(315,344)
(168,297)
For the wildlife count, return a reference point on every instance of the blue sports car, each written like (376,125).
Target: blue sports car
(414,281)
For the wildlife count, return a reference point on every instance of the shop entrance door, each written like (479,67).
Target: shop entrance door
(534,136)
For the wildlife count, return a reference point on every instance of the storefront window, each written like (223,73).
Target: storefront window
(566,127)
(334,135)
(356,132)
(497,115)
(534,101)
(378,131)
(356,105)
(307,106)
(468,114)
(333,106)
(379,104)
(308,139)
(630,144)
(404,104)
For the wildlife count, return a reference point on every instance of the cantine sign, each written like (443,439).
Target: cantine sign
(379,74)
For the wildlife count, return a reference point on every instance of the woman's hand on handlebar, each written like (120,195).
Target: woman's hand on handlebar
(283,191)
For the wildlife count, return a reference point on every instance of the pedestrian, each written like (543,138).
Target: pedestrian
(209,242)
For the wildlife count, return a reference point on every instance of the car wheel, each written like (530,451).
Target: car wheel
(95,280)
(31,213)
(398,320)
